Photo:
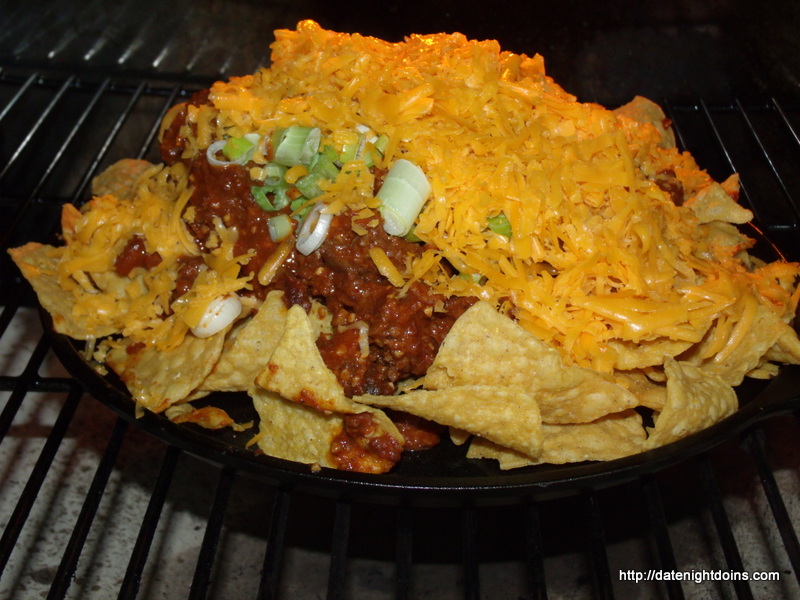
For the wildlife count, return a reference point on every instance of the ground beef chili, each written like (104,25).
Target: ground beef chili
(405,330)
(418,433)
(188,269)
(172,143)
(358,448)
(133,255)
(668,181)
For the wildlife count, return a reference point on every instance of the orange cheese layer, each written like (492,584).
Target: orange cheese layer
(141,306)
(598,252)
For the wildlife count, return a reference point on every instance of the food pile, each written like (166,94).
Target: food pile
(384,243)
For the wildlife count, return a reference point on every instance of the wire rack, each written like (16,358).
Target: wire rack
(93,507)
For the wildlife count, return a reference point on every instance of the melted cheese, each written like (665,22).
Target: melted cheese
(598,252)
(386,267)
(141,306)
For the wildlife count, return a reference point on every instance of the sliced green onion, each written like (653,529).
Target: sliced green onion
(240,150)
(330,153)
(300,208)
(280,227)
(373,149)
(381,142)
(314,229)
(325,165)
(473,277)
(280,197)
(355,150)
(297,145)
(276,137)
(220,313)
(365,148)
(322,167)
(211,154)
(309,185)
(311,146)
(236,147)
(349,151)
(273,174)
(412,237)
(500,225)
(403,193)
(237,151)
(368,154)
(261,198)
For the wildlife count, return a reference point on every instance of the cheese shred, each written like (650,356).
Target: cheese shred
(600,258)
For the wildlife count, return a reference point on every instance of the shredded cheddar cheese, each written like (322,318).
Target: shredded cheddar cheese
(599,256)
(140,305)
(386,266)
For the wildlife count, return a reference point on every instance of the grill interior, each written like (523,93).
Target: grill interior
(93,507)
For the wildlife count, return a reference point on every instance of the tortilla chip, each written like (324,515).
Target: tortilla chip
(207,417)
(763,334)
(353,442)
(39,265)
(724,239)
(648,353)
(507,416)
(695,400)
(644,110)
(296,371)
(487,348)
(116,285)
(608,438)
(119,179)
(70,217)
(158,379)
(459,436)
(765,370)
(787,347)
(712,203)
(651,394)
(507,459)
(248,347)
(295,432)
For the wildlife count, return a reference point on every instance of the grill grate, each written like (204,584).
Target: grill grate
(94,508)
(144,37)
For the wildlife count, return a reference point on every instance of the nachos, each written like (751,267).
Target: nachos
(383,243)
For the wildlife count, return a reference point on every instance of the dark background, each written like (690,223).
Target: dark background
(609,51)
(600,51)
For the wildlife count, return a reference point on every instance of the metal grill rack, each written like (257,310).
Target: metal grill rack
(93,507)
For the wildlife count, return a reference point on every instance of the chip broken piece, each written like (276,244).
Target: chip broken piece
(487,348)
(339,431)
(695,401)
(505,415)
(608,438)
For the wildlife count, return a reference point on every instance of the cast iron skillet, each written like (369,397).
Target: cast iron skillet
(441,474)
